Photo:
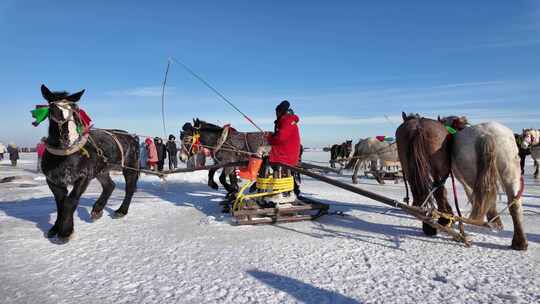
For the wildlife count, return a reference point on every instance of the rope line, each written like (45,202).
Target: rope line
(208,85)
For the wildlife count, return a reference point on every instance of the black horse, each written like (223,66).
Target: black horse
(75,156)
(341,151)
(226,146)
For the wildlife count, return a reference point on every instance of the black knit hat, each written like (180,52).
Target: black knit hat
(282,107)
(171,137)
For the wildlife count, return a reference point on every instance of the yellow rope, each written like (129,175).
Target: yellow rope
(270,185)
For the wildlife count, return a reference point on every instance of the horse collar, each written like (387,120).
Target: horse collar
(72,149)
(223,138)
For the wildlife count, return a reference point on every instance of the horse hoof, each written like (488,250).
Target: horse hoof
(213,186)
(428,230)
(95,215)
(118,214)
(519,245)
(62,239)
(51,233)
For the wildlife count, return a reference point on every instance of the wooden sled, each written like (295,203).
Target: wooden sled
(273,202)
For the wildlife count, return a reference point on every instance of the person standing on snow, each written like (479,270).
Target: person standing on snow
(172,150)
(143,156)
(13,154)
(151,152)
(161,152)
(40,149)
(2,151)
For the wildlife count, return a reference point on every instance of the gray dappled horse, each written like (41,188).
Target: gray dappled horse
(371,149)
(483,156)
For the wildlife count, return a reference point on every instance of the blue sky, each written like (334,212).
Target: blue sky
(349,68)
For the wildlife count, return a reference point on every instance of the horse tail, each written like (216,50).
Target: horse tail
(419,167)
(485,187)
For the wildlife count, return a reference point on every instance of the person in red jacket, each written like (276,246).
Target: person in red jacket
(40,149)
(285,140)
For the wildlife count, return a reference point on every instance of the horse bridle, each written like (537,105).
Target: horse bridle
(194,142)
(73,115)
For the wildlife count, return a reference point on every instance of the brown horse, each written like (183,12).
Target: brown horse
(424,152)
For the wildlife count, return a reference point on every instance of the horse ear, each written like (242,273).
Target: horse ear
(404,116)
(75,97)
(47,94)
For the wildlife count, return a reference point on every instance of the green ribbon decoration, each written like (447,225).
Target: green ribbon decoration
(40,114)
(451,130)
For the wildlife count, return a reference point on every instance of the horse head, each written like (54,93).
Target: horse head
(63,117)
(186,141)
(530,137)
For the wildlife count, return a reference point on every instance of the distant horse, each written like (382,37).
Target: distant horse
(226,144)
(522,152)
(482,156)
(339,152)
(531,140)
(372,149)
(424,153)
(75,157)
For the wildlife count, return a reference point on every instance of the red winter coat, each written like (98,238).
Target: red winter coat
(40,149)
(285,141)
(152,151)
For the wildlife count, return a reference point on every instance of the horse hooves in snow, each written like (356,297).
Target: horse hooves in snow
(52,232)
(96,215)
(213,185)
(519,244)
(117,214)
(428,230)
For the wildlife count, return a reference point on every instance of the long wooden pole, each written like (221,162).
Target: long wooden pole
(414,211)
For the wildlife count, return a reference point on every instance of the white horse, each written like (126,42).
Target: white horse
(371,149)
(483,155)
(531,138)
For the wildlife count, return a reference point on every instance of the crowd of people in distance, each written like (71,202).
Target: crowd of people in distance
(153,153)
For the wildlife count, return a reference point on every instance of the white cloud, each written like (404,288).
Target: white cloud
(150,91)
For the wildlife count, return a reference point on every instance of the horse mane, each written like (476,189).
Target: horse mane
(410,116)
(208,126)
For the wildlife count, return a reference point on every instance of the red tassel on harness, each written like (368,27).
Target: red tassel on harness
(85,119)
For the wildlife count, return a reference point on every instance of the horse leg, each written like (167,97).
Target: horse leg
(131,178)
(537,170)
(512,185)
(60,193)
(211,183)
(108,186)
(234,181)
(355,173)
(223,181)
(522,157)
(70,204)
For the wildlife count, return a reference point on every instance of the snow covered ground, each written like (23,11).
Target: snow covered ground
(175,246)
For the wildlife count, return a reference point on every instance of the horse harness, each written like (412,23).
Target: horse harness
(84,138)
